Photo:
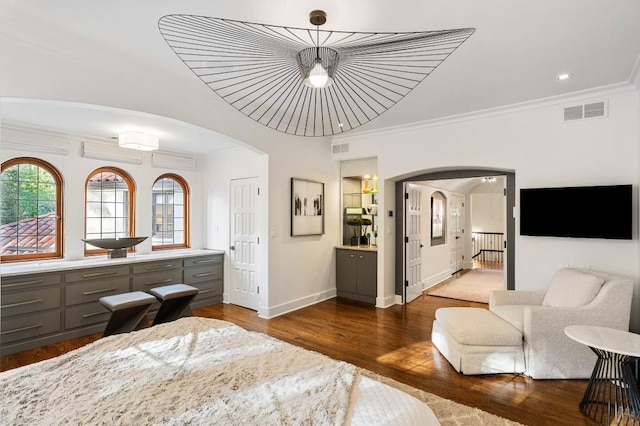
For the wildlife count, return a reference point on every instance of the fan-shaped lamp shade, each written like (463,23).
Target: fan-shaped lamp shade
(304,81)
(138,140)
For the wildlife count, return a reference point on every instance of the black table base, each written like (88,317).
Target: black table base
(612,393)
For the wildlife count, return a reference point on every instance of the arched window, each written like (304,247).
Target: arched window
(109,194)
(438,218)
(170,206)
(31,209)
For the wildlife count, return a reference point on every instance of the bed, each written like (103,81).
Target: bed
(200,371)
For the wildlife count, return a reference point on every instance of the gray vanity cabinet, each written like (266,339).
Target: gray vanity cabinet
(82,290)
(148,275)
(205,273)
(356,275)
(42,308)
(30,307)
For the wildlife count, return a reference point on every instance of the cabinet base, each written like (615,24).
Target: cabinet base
(358,297)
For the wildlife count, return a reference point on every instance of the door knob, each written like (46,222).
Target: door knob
(232,247)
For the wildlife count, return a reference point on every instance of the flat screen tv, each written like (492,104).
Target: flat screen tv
(578,212)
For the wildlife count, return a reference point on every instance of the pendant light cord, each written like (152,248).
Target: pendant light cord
(318,42)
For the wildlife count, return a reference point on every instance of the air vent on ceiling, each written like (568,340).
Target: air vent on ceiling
(340,148)
(590,110)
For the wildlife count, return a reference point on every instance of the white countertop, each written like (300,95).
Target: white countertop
(363,248)
(606,339)
(55,265)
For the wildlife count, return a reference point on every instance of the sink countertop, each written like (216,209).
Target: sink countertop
(362,248)
(54,265)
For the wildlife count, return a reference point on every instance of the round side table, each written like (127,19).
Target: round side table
(612,393)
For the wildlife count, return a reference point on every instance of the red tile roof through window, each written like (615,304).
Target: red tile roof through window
(106,177)
(30,235)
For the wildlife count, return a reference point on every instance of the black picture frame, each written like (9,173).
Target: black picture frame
(307,207)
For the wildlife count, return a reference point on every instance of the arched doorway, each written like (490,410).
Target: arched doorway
(401,272)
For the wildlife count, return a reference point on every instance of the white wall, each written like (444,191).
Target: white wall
(544,151)
(219,170)
(436,260)
(487,212)
(301,269)
(75,169)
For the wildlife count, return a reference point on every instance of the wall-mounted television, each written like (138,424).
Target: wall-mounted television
(578,212)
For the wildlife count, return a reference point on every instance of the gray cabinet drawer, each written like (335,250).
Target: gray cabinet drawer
(208,289)
(25,302)
(87,314)
(90,291)
(205,273)
(157,266)
(28,281)
(203,261)
(96,273)
(144,282)
(29,326)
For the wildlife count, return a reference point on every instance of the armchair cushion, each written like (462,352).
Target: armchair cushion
(513,314)
(570,288)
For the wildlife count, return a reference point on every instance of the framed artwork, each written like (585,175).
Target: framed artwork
(307,207)
(438,226)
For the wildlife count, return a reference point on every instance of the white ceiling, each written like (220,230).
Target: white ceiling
(110,53)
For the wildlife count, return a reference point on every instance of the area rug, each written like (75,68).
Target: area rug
(449,413)
(474,286)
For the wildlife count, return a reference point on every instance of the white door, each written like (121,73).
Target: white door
(456,222)
(242,254)
(413,242)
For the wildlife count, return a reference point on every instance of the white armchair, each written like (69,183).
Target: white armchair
(574,297)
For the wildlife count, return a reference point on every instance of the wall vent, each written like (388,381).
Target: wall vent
(340,148)
(586,111)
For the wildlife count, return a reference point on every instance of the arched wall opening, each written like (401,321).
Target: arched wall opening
(453,173)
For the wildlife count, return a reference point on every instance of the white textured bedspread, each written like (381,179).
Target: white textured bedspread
(199,371)
(190,371)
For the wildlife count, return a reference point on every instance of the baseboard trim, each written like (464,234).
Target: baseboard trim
(294,305)
(386,302)
(437,278)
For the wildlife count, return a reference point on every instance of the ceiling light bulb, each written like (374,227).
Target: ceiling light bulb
(318,76)
(564,76)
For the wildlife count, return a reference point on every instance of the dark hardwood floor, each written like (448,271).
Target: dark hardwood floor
(394,342)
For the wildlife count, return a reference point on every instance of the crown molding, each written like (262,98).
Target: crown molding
(601,91)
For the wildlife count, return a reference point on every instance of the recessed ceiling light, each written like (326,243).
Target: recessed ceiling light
(564,76)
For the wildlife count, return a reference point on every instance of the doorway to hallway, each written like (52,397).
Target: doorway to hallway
(479,203)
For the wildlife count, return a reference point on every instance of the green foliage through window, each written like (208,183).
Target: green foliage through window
(27,190)
(29,217)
